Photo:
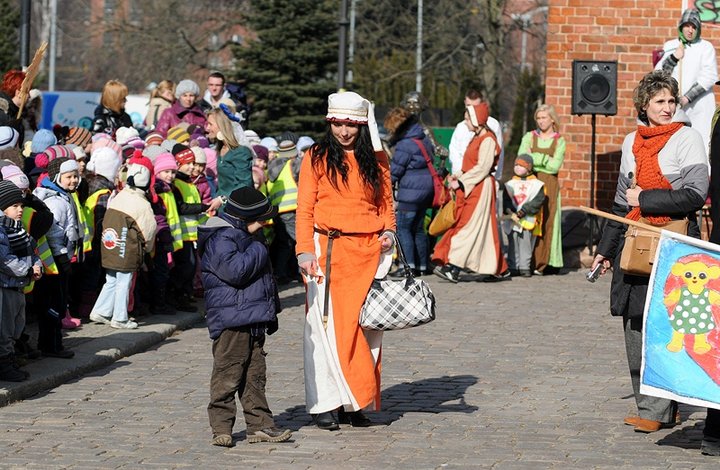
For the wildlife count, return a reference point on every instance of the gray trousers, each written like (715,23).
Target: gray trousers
(238,368)
(12,319)
(520,250)
(653,408)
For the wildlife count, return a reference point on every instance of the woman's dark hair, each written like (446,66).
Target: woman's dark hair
(650,85)
(330,150)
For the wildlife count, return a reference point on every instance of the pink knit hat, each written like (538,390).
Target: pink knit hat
(105,142)
(15,174)
(51,153)
(165,161)
(211,165)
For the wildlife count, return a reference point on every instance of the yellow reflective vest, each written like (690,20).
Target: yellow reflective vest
(87,237)
(189,222)
(89,211)
(173,219)
(283,191)
(42,249)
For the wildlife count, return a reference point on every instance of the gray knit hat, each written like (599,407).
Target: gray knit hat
(187,86)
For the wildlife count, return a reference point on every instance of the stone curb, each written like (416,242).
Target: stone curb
(101,351)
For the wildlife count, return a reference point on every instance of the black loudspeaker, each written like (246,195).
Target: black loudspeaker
(594,87)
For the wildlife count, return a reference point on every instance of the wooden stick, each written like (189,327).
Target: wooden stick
(30,75)
(622,220)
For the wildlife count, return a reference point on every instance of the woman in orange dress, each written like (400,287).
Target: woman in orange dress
(344,219)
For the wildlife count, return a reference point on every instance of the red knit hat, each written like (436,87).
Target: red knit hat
(183,154)
(139,159)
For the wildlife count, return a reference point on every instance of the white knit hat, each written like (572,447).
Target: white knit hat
(8,137)
(104,162)
(200,156)
(348,106)
(124,134)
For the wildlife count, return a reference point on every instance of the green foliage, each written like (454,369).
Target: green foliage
(462,48)
(289,67)
(9,32)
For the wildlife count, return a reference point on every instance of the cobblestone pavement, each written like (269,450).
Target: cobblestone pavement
(523,374)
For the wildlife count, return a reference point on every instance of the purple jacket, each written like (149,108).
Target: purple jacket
(176,114)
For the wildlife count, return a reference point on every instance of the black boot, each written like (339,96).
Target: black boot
(355,418)
(184,305)
(160,306)
(9,371)
(326,421)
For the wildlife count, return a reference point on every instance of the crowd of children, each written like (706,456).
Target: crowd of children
(103,227)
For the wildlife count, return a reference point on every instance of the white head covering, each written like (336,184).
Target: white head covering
(348,106)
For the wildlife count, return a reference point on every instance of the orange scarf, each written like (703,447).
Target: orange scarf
(648,143)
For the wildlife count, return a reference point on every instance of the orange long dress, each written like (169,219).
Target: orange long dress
(342,362)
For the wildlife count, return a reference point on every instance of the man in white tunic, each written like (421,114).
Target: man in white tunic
(692,62)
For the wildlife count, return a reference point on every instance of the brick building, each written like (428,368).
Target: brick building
(623,30)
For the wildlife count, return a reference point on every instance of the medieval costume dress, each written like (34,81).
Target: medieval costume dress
(548,156)
(342,361)
(473,242)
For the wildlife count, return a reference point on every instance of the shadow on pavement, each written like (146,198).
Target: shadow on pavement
(432,395)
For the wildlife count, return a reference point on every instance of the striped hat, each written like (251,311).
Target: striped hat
(52,153)
(79,136)
(8,137)
(178,134)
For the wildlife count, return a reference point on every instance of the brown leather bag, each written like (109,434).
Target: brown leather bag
(638,254)
(444,219)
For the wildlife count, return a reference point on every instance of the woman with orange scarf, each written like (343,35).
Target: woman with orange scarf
(473,242)
(344,226)
(663,176)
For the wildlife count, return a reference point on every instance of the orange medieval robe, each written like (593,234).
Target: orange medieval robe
(473,242)
(342,362)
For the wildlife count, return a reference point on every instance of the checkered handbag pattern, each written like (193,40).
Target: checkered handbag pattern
(394,305)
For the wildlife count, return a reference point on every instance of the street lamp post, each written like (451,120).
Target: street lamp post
(342,46)
(418,49)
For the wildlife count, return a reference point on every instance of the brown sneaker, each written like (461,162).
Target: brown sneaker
(222,440)
(269,435)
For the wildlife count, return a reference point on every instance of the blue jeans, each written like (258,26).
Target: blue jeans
(113,299)
(412,236)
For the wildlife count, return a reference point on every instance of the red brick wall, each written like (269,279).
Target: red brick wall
(623,30)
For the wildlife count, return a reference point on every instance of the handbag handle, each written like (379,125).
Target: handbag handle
(401,256)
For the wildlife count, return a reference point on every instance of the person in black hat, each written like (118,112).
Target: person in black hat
(19,265)
(242,303)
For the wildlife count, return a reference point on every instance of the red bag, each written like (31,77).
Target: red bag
(442,195)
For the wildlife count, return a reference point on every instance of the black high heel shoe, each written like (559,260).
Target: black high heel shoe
(326,421)
(355,418)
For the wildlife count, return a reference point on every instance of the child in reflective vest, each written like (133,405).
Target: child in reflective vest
(168,239)
(192,212)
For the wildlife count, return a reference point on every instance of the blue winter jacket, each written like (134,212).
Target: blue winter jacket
(237,277)
(410,174)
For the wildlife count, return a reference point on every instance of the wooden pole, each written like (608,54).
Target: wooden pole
(622,220)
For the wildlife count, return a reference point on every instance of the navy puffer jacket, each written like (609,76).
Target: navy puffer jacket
(237,277)
(410,174)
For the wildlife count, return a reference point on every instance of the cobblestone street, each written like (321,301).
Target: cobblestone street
(529,373)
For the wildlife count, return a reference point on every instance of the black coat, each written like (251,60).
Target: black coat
(108,121)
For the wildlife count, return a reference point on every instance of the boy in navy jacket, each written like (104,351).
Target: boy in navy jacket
(242,303)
